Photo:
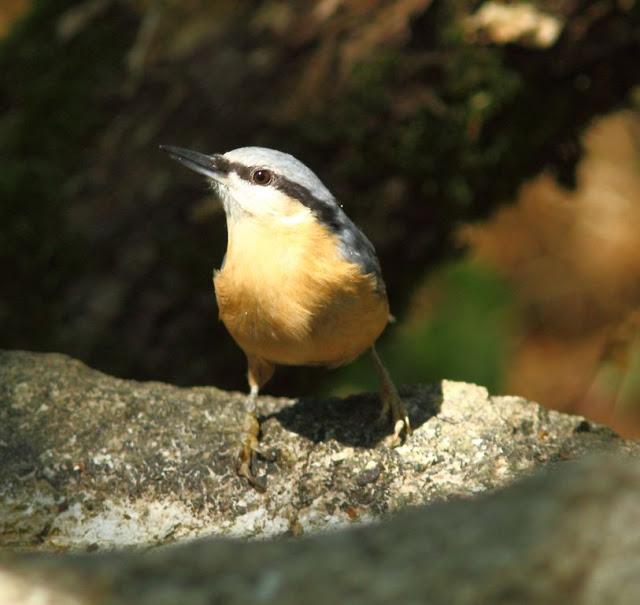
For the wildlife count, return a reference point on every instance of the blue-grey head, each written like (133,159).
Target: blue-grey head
(266,183)
(261,182)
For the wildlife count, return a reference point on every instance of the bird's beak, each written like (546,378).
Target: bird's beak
(199,162)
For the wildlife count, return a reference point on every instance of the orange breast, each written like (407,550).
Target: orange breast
(286,295)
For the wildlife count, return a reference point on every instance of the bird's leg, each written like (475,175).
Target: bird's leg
(258,373)
(391,403)
(250,431)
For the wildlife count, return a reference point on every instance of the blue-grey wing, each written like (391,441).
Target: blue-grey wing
(357,248)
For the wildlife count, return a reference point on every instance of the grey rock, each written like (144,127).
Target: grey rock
(92,462)
(569,536)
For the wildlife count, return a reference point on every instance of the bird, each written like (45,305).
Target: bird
(300,284)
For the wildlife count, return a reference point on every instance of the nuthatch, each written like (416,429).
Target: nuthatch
(300,284)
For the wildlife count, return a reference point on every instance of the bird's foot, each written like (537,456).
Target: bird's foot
(246,462)
(393,407)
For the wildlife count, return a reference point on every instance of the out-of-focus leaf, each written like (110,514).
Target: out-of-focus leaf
(514,23)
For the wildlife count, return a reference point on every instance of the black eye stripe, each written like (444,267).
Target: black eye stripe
(221,163)
(326,212)
(227,166)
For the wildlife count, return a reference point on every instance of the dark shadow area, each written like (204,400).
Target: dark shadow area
(353,421)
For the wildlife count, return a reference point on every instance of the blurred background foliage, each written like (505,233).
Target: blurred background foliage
(489,149)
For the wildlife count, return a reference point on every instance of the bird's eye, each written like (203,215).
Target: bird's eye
(262,176)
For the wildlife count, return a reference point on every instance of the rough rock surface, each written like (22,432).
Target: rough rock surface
(570,536)
(92,462)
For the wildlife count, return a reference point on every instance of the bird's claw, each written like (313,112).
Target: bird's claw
(246,462)
(401,430)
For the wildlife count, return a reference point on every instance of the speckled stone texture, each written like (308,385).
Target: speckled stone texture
(568,536)
(91,462)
